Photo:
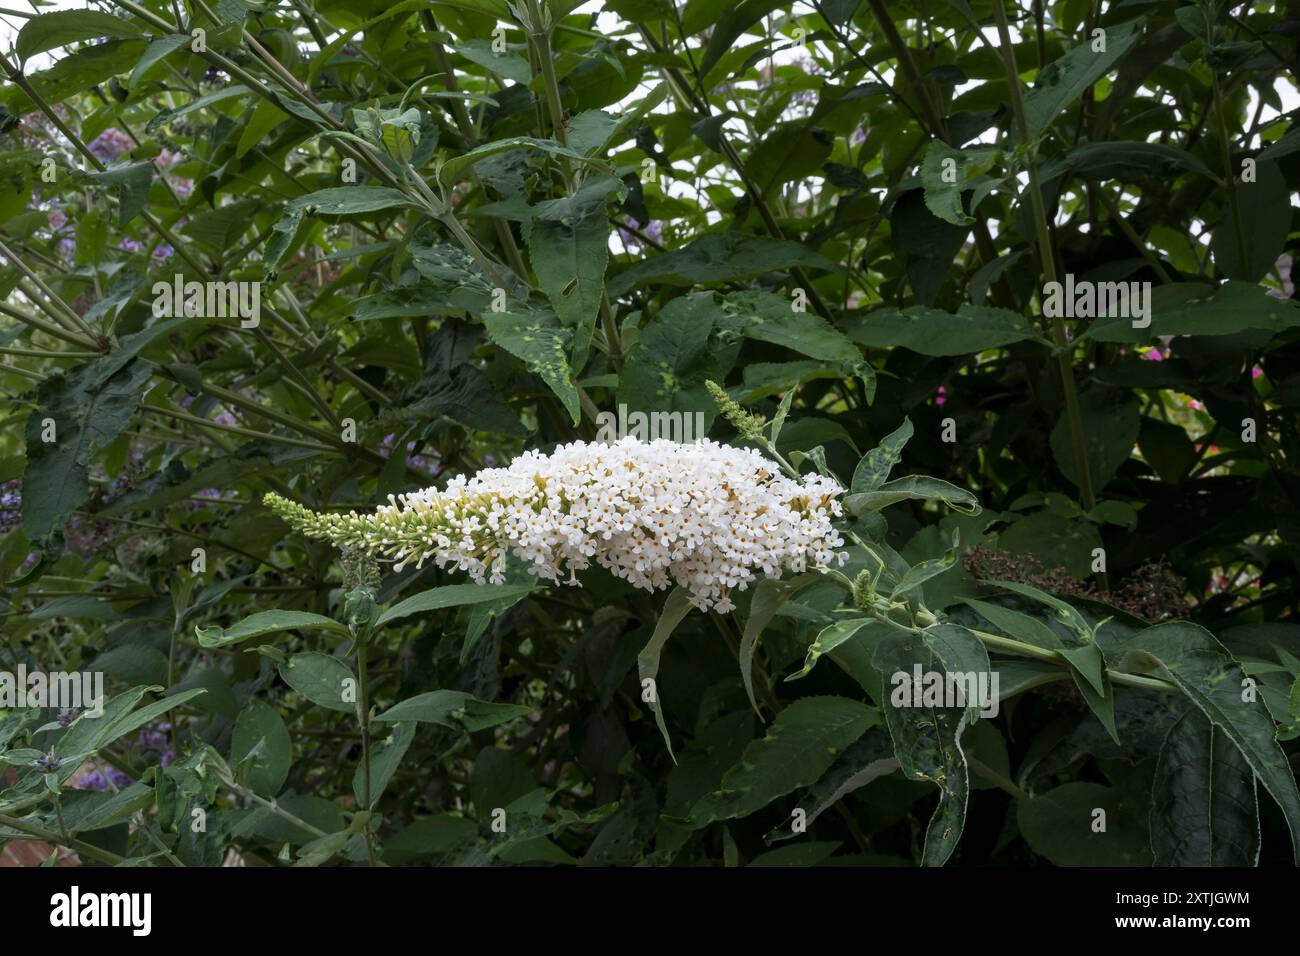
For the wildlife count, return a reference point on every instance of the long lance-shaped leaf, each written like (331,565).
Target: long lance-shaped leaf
(874,468)
(675,609)
(1204,807)
(454,170)
(266,622)
(868,759)
(451,595)
(829,638)
(801,745)
(769,595)
(1205,671)
(926,734)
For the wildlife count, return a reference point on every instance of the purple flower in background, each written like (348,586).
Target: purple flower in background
(154,737)
(110,144)
(429,464)
(163,251)
(941,396)
(130,245)
(11,504)
(101,780)
(654,229)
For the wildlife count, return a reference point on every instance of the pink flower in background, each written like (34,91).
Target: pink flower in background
(1256,372)
(940,396)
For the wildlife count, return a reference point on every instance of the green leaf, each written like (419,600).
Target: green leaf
(568,244)
(736,19)
(1059,825)
(829,638)
(455,710)
(944,172)
(874,468)
(812,853)
(535,337)
(118,723)
(913,487)
(676,607)
(1204,806)
(1088,668)
(802,742)
(156,51)
(772,318)
(335,201)
(923,571)
(87,811)
(452,595)
(129,346)
(85,415)
(1087,660)
(265,117)
(1068,615)
(161,120)
(1015,624)
(52,30)
(927,738)
(1264,208)
(1110,432)
(1192,308)
(322,679)
(769,595)
(928,331)
(385,757)
(1285,146)
(1205,671)
(1125,161)
(675,354)
(132,181)
(718,257)
(425,836)
(1063,81)
(510,65)
(792,151)
(262,740)
(870,758)
(458,168)
(75,73)
(267,622)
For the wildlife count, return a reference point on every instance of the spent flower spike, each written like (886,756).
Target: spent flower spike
(705,516)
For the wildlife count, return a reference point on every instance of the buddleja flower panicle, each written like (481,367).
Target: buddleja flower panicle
(705,516)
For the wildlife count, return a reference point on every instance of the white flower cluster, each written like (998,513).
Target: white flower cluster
(702,515)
